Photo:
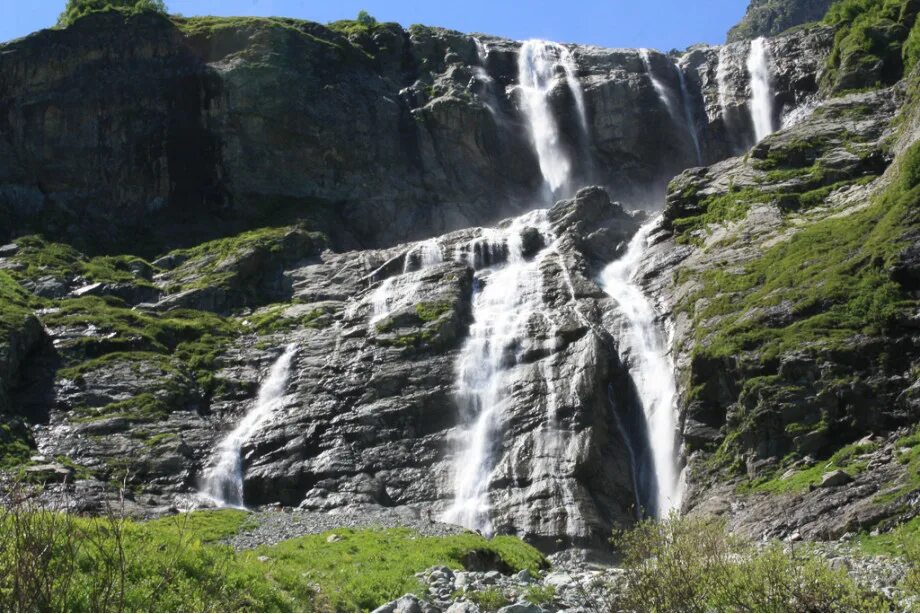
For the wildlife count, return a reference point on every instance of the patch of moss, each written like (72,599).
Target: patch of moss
(431,311)
(834,274)
(276,319)
(844,459)
(16,305)
(908,454)
(731,206)
(38,257)
(869,33)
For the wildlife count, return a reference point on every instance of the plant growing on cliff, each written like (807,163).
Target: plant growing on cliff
(872,33)
(75,9)
(366,19)
(695,565)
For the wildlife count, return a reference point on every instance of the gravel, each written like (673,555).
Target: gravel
(273,526)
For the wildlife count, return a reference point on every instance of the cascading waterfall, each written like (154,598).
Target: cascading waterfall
(722,80)
(668,99)
(692,126)
(508,294)
(538,61)
(389,293)
(224,480)
(663,91)
(481,74)
(761,103)
(649,367)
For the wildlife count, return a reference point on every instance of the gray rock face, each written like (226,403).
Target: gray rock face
(771,17)
(803,403)
(370,416)
(381,138)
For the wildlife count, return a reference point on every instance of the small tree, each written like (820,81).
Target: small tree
(366,19)
(75,9)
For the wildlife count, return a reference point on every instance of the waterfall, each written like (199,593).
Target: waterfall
(423,255)
(666,96)
(392,292)
(538,63)
(481,74)
(761,103)
(690,117)
(663,91)
(722,81)
(649,366)
(507,294)
(224,481)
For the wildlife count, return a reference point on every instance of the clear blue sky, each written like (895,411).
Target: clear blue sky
(660,24)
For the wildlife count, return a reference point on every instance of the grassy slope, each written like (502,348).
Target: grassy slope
(177,564)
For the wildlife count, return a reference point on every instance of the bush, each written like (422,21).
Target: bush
(694,565)
(365,19)
(488,600)
(76,9)
(870,32)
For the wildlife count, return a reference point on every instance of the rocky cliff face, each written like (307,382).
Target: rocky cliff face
(772,17)
(789,274)
(376,135)
(343,188)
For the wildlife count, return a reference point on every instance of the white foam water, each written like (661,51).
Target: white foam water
(223,482)
(761,103)
(650,367)
(509,293)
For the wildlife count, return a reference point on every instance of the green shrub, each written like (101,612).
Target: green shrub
(75,9)
(694,565)
(871,32)
(541,595)
(365,19)
(489,599)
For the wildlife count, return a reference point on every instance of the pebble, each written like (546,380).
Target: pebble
(276,526)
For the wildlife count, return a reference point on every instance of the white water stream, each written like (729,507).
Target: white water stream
(649,366)
(509,294)
(761,103)
(224,480)
(538,63)
(688,113)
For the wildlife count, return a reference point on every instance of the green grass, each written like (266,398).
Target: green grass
(833,272)
(208,26)
(860,40)
(369,567)
(205,525)
(808,477)
(38,257)
(907,453)
(892,543)
(178,564)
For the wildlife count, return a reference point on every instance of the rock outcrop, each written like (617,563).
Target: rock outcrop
(349,189)
(372,135)
(792,386)
(772,17)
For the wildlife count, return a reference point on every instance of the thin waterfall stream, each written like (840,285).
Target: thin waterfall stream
(223,482)
(650,368)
